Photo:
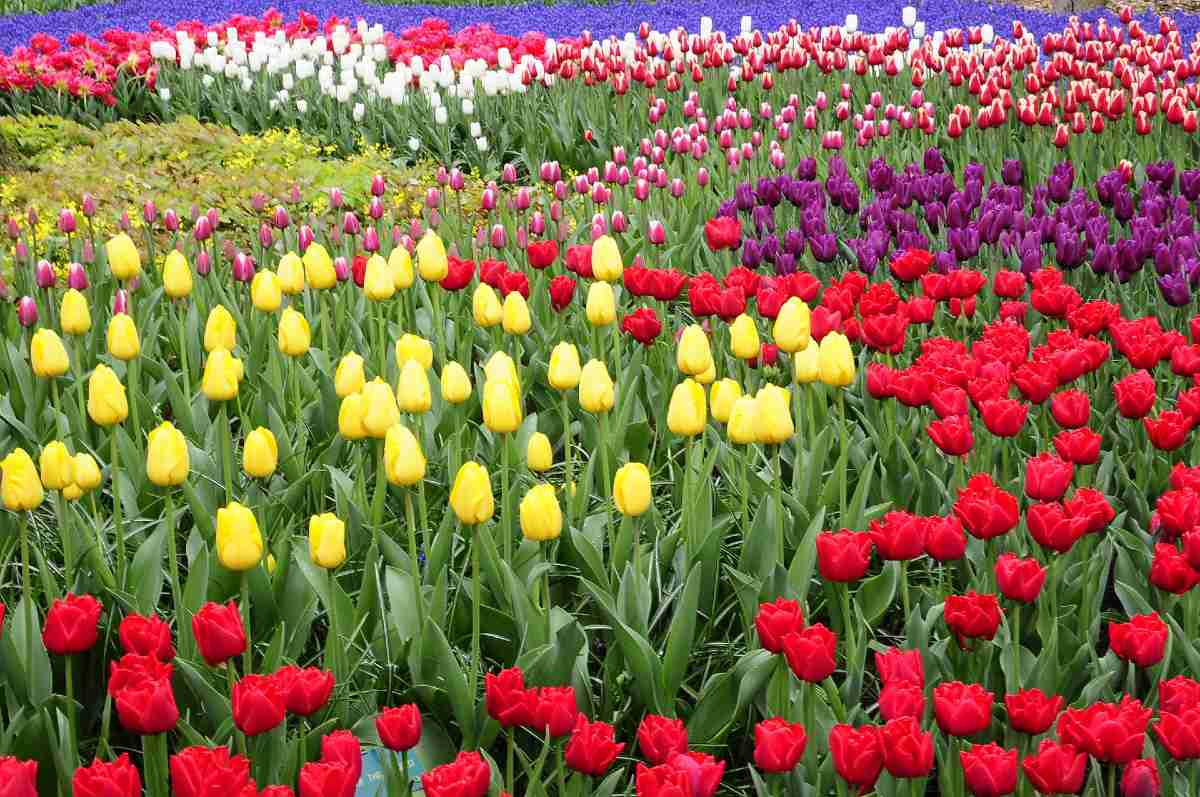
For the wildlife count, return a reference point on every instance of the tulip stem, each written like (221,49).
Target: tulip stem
(568,478)
(412,554)
(779,524)
(439,327)
(77,366)
(505,516)
(476,597)
(380,495)
(248,656)
(68,543)
(323,309)
(546,586)
(407,778)
(1014,618)
(843,590)
(508,762)
(122,564)
(182,622)
(183,351)
(72,718)
(133,403)
(1112,778)
(381,332)
(226,450)
(845,443)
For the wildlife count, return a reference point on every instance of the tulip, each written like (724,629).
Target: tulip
(836,360)
(693,355)
(167,459)
(413,347)
(177,275)
(806,363)
(471,496)
(379,283)
(222,374)
(721,398)
(86,472)
(266,292)
(631,489)
(239,543)
(27,311)
(541,516)
(742,427)
(57,466)
(431,258)
(220,332)
(401,268)
(350,416)
(516,318)
(486,306)
(327,540)
(791,330)
(743,338)
(539,456)
(380,410)
(595,388)
(501,405)
(294,337)
(413,393)
(318,268)
(564,372)
(123,258)
(48,354)
(601,306)
(456,385)
(291,274)
(403,459)
(260,454)
(123,341)
(74,315)
(687,413)
(773,415)
(606,259)
(107,404)
(349,377)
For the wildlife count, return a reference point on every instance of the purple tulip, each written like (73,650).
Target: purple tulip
(88,253)
(77,277)
(266,238)
(305,238)
(120,302)
(214,218)
(243,267)
(375,209)
(171,220)
(1175,289)
(499,236)
(149,212)
(336,199)
(44,275)
(203,229)
(341,269)
(88,204)
(656,233)
(258,202)
(537,224)
(27,312)
(371,239)
(378,185)
(203,263)
(66,222)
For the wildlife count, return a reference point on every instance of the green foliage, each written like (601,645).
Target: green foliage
(13,7)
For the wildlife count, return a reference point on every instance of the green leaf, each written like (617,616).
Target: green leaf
(877,592)
(681,636)
(147,572)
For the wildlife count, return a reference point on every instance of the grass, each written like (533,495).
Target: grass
(14,7)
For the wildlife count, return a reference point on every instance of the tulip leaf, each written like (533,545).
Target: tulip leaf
(681,636)
(216,705)
(801,570)
(1186,645)
(639,655)
(1131,600)
(876,593)
(147,573)
(445,674)
(30,677)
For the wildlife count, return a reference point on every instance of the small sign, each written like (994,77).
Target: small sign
(373,782)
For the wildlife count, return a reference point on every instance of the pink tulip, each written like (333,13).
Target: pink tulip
(27,312)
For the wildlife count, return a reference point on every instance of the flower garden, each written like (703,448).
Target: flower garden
(542,401)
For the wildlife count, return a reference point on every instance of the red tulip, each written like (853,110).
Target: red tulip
(508,701)
(899,536)
(660,738)
(1170,570)
(642,325)
(71,624)
(972,616)
(778,744)
(342,749)
(146,636)
(1113,733)
(579,260)
(843,556)
(885,332)
(562,290)
(1078,446)
(1178,694)
(985,510)
(542,254)
(857,755)
(1140,777)
(723,232)
(141,689)
(306,690)
(1169,431)
(952,435)
(399,728)
(962,709)
(1056,768)
(911,264)
(1135,394)
(1047,477)
(204,771)
(1179,732)
(811,653)
(1018,579)
(1032,711)
(949,401)
(219,632)
(776,620)
(1052,528)
(907,750)
(896,665)
(1004,417)
(101,779)
(1091,505)
(901,699)
(1142,640)
(19,777)
(989,770)
(663,780)
(944,539)
(592,749)
(259,703)
(1009,284)
(459,273)
(468,775)
(703,772)
(323,779)
(556,710)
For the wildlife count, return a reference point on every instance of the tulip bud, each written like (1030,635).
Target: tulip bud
(294,336)
(836,360)
(243,267)
(167,458)
(57,466)
(693,355)
(743,338)
(44,275)
(541,516)
(260,454)
(606,259)
(239,543)
(486,306)
(77,277)
(20,486)
(722,395)
(471,497)
(595,388)
(413,393)
(601,306)
(305,238)
(27,312)
(499,237)
(414,347)
(86,472)
(176,275)
(203,263)
(48,355)
(791,330)
(456,385)
(773,415)
(564,372)
(431,258)
(631,489)
(516,318)
(539,456)
(350,416)
(687,413)
(265,292)
(380,410)
(107,404)
(222,375)
(123,258)
(378,282)
(171,220)
(123,340)
(349,376)
(88,204)
(400,267)
(378,185)
(291,274)
(327,540)
(318,268)
(220,332)
(74,315)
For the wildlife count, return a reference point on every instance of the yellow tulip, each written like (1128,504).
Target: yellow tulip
(350,416)
(107,404)
(260,454)
(57,466)
(48,354)
(792,326)
(401,268)
(806,363)
(516,314)
(707,377)
(595,388)
(72,492)
(687,413)
(456,385)
(836,360)
(291,274)
(402,457)
(271,563)
(350,375)
(167,460)
(721,396)
(123,341)
(565,372)
(76,318)
(380,411)
(177,275)
(220,332)
(539,456)
(378,284)
(743,338)
(326,540)
(606,259)
(743,421)
(123,258)
(486,306)
(431,258)
(266,292)
(501,366)
(294,335)
(601,305)
(222,374)
(693,354)
(20,486)
(541,516)
(774,415)
(239,543)
(631,489)
(413,347)
(471,497)
(413,394)
(501,405)
(318,268)
(87,472)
